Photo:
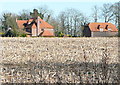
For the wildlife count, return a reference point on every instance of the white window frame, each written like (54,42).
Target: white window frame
(101,29)
(109,29)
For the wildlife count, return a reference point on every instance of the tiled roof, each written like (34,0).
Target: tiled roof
(94,27)
(43,24)
(20,23)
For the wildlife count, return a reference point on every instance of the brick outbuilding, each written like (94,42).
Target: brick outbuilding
(100,30)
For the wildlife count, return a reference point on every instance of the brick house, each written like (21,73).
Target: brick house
(100,30)
(36,27)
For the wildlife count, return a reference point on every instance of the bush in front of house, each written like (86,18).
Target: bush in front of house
(23,35)
(59,34)
(14,33)
(9,33)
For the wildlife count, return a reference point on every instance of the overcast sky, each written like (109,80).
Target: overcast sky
(85,6)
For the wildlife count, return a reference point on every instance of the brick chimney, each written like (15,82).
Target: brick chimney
(16,19)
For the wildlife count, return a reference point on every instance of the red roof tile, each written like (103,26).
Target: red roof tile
(43,24)
(93,27)
(20,23)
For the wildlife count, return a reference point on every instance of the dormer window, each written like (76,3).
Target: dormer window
(106,27)
(29,22)
(98,27)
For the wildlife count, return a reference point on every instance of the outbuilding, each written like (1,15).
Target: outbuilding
(100,30)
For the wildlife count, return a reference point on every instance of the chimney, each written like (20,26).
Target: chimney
(106,27)
(38,26)
(98,27)
(16,19)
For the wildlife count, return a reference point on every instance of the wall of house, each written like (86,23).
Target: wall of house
(86,31)
(59,60)
(103,34)
(51,32)
(39,31)
(33,31)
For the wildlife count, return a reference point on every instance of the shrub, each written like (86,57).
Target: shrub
(68,35)
(9,33)
(1,33)
(119,31)
(23,35)
(60,34)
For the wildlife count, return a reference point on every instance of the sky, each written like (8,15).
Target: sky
(85,6)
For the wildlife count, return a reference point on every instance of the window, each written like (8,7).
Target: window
(28,30)
(109,29)
(98,27)
(101,29)
(29,22)
(106,27)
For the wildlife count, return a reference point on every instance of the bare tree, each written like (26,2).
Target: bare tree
(95,14)
(116,11)
(107,12)
(62,19)
(71,21)
(45,12)
(56,24)
(24,15)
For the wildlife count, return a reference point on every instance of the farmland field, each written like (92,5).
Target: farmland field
(59,60)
